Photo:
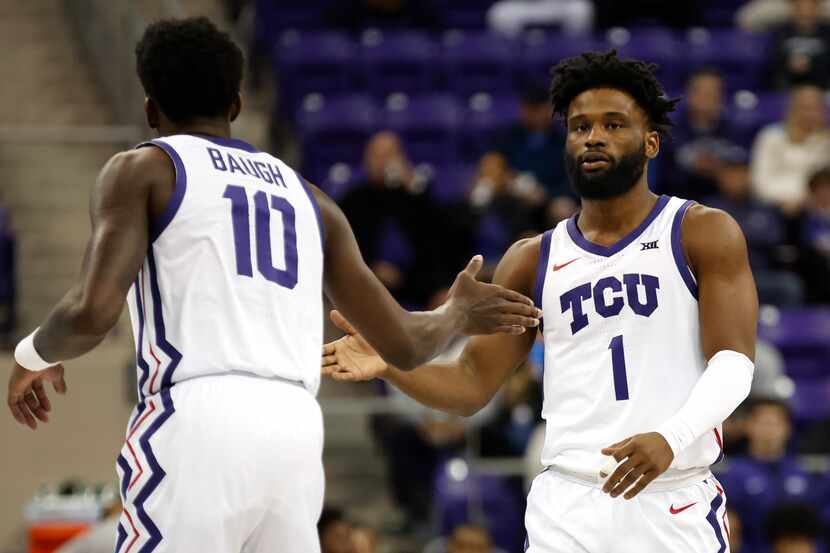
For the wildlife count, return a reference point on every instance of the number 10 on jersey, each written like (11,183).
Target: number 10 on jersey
(240,214)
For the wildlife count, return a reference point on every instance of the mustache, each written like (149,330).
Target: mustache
(595,155)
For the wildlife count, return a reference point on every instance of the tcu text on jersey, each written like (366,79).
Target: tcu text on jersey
(609,298)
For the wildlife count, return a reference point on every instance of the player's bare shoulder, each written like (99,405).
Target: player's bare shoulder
(517,268)
(711,236)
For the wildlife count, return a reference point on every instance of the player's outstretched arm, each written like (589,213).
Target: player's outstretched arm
(463,386)
(114,253)
(728,308)
(404,338)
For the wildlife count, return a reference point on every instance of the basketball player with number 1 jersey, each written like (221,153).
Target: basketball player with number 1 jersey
(649,316)
(222,253)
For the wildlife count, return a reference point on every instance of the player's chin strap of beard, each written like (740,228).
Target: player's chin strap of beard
(721,388)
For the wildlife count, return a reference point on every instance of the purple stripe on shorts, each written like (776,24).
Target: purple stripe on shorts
(122,535)
(127,473)
(157,473)
(712,519)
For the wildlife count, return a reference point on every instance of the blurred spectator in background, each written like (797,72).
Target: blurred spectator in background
(397,224)
(763,227)
(793,528)
(499,212)
(519,413)
(800,49)
(355,15)
(768,475)
(511,17)
(470,538)
(7,279)
(365,539)
(815,238)
(335,532)
(700,131)
(736,530)
(786,154)
(763,15)
(531,154)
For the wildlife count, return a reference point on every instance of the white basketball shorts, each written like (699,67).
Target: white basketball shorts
(565,515)
(226,463)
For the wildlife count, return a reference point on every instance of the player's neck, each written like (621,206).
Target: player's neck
(221,129)
(616,216)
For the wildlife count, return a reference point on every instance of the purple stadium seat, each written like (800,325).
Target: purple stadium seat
(799,332)
(450,182)
(477,61)
(485,118)
(465,14)
(334,130)
(739,55)
(721,13)
(811,400)
(426,124)
(402,61)
(314,61)
(653,44)
(750,111)
(501,503)
(281,15)
(541,50)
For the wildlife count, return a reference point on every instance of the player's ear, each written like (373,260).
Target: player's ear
(236,107)
(652,144)
(152,112)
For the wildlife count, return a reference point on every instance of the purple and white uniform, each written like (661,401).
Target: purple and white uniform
(224,449)
(622,354)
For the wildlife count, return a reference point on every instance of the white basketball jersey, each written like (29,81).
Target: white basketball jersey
(622,341)
(232,281)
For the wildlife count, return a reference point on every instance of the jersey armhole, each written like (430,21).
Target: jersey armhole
(307,187)
(677,249)
(541,272)
(179,189)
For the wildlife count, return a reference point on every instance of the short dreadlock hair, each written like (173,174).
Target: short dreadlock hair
(573,76)
(191,68)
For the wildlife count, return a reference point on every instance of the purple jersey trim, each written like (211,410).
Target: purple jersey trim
(541,271)
(158,320)
(178,191)
(712,519)
(228,142)
(608,251)
(142,363)
(316,206)
(677,249)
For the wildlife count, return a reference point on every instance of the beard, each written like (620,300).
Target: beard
(618,178)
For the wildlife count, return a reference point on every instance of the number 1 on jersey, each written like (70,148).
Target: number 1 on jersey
(618,368)
(238,196)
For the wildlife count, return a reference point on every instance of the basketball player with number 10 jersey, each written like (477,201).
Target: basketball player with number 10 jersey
(223,254)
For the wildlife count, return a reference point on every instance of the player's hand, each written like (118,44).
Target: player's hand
(489,308)
(647,456)
(27,397)
(350,358)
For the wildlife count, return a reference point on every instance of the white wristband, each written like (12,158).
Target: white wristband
(27,356)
